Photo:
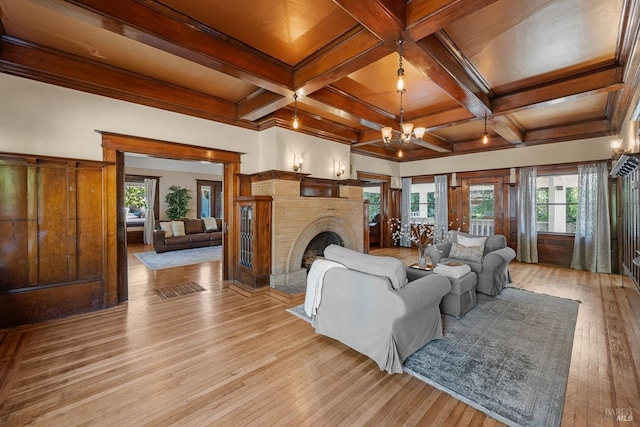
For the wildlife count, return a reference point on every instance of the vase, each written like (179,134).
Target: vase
(422,256)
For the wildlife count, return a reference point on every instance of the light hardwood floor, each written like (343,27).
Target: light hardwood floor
(220,358)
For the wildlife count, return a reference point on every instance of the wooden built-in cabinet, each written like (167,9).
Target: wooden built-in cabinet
(52,244)
(253,258)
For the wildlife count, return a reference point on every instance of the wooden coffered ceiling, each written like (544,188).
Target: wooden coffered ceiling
(541,71)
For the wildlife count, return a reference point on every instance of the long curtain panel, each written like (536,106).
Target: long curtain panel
(149,219)
(527,250)
(405,210)
(592,245)
(442,208)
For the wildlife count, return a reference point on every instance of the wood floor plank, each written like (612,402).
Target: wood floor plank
(218,357)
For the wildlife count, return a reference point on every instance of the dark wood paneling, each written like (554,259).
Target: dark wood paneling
(53,223)
(51,238)
(89,225)
(49,302)
(555,249)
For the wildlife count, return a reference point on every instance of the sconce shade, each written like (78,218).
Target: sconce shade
(386,133)
(419,132)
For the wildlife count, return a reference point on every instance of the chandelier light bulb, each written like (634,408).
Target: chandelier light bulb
(296,123)
(400,84)
(485,138)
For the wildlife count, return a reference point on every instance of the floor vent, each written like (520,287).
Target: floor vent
(175,291)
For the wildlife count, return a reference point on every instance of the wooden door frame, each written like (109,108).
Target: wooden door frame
(113,148)
(499,201)
(385,195)
(213,202)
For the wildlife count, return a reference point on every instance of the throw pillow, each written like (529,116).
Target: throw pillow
(470,253)
(471,241)
(178,228)
(193,226)
(210,224)
(166,227)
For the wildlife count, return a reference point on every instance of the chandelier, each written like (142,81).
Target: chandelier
(407,132)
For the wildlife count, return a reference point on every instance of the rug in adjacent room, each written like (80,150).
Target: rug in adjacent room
(509,357)
(159,261)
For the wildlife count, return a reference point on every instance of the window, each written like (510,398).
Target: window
(557,203)
(423,202)
(135,199)
(373,195)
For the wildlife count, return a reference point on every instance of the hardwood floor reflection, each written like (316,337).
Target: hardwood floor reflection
(221,358)
(142,279)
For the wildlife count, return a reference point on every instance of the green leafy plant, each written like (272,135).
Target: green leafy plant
(178,201)
(134,196)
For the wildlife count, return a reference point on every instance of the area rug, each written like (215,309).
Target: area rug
(159,261)
(509,357)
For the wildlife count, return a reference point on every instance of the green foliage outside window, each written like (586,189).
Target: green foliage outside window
(374,204)
(572,204)
(431,204)
(484,207)
(542,204)
(134,196)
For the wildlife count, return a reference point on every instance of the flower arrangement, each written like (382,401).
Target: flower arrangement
(418,233)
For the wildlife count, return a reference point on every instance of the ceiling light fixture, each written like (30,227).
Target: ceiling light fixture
(296,122)
(485,135)
(407,132)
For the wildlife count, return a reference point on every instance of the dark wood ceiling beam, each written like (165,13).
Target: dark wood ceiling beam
(425,17)
(362,49)
(46,65)
(508,128)
(260,104)
(384,19)
(601,80)
(433,59)
(441,118)
(165,29)
(379,151)
(310,125)
(629,56)
(589,129)
(336,101)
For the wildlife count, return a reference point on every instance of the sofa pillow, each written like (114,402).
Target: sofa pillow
(471,253)
(471,241)
(193,226)
(178,228)
(210,224)
(166,227)
(388,267)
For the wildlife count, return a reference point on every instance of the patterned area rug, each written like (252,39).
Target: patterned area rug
(509,357)
(156,261)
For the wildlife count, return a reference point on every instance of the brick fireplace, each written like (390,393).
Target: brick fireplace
(303,208)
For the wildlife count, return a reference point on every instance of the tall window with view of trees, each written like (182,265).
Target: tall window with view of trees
(557,203)
(374,203)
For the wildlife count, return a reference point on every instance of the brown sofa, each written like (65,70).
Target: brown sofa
(195,236)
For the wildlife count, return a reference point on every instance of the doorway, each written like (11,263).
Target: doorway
(482,206)
(114,147)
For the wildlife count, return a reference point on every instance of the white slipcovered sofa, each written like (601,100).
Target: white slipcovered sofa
(367,303)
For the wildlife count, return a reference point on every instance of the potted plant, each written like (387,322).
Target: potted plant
(178,201)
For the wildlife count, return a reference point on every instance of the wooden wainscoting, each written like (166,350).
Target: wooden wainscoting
(52,245)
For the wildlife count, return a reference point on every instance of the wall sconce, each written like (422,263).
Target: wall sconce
(340,169)
(297,163)
(616,146)
(454,181)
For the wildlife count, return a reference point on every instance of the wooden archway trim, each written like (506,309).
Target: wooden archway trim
(113,148)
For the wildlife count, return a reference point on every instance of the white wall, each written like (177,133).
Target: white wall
(563,152)
(39,118)
(173,177)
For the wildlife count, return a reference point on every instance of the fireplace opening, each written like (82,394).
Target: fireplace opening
(315,248)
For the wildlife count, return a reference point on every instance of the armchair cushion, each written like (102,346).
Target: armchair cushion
(470,253)
(388,267)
